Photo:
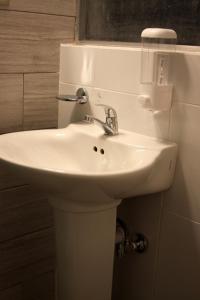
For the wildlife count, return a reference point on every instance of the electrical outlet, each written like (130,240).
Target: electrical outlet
(4,2)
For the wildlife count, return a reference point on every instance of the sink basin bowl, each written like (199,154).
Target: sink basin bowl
(86,170)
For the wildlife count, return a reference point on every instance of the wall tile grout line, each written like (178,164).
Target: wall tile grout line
(38,13)
(158,244)
(26,235)
(25,73)
(181,217)
(14,187)
(23,105)
(170,120)
(187,103)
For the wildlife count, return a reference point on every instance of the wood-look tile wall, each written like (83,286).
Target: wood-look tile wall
(30,34)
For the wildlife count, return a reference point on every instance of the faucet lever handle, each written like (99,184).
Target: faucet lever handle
(109,110)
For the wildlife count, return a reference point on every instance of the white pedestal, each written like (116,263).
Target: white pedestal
(85,251)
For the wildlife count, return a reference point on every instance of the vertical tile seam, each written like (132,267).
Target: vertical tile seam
(156,262)
(177,215)
(77,22)
(170,120)
(23,101)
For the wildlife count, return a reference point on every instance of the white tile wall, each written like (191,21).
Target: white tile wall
(179,260)
(113,78)
(184,196)
(131,115)
(120,68)
(77,64)
(112,75)
(186,70)
(111,68)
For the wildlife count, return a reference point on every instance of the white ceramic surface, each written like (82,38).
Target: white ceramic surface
(131,115)
(183,198)
(101,66)
(111,75)
(64,163)
(85,245)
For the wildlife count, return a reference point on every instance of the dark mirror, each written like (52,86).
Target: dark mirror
(123,20)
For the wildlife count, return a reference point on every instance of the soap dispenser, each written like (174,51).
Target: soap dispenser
(158,48)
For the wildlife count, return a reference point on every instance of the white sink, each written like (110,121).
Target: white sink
(64,163)
(85,186)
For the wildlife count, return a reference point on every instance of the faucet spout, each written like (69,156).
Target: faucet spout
(110,126)
(107,129)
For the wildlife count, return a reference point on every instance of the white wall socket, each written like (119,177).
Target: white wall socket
(4,2)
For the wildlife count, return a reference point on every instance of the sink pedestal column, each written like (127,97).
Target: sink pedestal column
(85,251)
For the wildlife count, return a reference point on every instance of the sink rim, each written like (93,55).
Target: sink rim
(99,191)
(96,133)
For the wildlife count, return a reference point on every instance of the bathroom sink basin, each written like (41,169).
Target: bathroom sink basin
(83,169)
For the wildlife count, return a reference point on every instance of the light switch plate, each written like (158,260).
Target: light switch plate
(4,2)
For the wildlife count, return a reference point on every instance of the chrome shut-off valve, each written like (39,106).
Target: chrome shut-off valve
(126,243)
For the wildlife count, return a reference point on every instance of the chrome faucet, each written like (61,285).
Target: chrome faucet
(110,126)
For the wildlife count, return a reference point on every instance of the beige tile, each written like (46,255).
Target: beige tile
(40,104)
(40,288)
(11,102)
(184,196)
(27,250)
(30,42)
(8,178)
(134,274)
(29,56)
(17,196)
(22,211)
(27,273)
(34,27)
(57,7)
(13,293)
(179,260)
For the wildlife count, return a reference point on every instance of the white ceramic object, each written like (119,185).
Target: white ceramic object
(159,33)
(85,187)
(64,163)
(111,75)
(120,70)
